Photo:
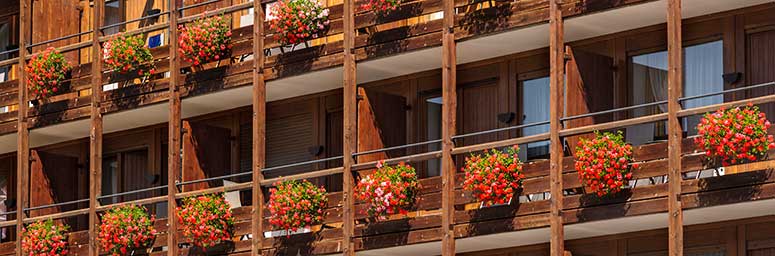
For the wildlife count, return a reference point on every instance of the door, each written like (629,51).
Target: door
(54,179)
(206,153)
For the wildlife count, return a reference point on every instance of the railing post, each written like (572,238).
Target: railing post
(259,128)
(350,108)
(556,77)
(173,161)
(95,134)
(23,140)
(448,128)
(675,133)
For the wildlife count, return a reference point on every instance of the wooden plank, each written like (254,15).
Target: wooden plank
(448,127)
(675,133)
(23,140)
(556,77)
(350,110)
(173,147)
(259,130)
(95,136)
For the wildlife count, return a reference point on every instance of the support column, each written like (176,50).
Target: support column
(259,128)
(350,109)
(556,77)
(674,131)
(95,133)
(448,125)
(23,139)
(173,147)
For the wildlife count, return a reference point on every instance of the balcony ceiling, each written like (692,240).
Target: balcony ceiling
(480,48)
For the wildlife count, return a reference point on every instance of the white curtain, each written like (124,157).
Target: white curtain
(703,74)
(535,108)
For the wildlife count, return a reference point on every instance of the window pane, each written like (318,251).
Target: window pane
(433,132)
(535,108)
(703,74)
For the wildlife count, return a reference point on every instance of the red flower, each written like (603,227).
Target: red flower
(604,163)
(494,176)
(45,238)
(123,54)
(206,220)
(298,21)
(389,190)
(126,227)
(45,72)
(296,204)
(205,40)
(735,135)
(381,7)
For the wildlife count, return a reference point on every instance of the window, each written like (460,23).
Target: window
(535,108)
(703,70)
(433,132)
(7,42)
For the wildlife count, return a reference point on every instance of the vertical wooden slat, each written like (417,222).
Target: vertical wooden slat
(23,150)
(556,77)
(95,134)
(448,127)
(350,110)
(173,161)
(259,127)
(675,133)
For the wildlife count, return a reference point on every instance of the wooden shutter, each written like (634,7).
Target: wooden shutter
(761,63)
(54,179)
(478,111)
(588,75)
(291,136)
(206,153)
(135,174)
(381,124)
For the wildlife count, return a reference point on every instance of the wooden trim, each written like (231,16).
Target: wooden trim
(173,147)
(350,111)
(448,127)
(556,77)
(675,133)
(96,132)
(259,129)
(23,152)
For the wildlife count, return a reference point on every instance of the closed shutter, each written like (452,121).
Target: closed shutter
(761,57)
(289,138)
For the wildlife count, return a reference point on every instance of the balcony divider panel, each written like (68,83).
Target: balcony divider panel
(675,133)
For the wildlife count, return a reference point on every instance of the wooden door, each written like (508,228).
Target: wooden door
(761,63)
(206,153)
(54,179)
(590,87)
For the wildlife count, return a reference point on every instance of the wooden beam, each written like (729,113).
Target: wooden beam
(95,133)
(448,127)
(259,128)
(350,109)
(173,147)
(23,140)
(674,131)
(556,77)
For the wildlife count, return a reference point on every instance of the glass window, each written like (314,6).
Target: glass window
(703,71)
(535,108)
(5,41)
(433,132)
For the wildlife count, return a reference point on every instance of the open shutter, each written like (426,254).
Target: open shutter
(54,179)
(761,57)
(206,153)
(381,124)
(588,74)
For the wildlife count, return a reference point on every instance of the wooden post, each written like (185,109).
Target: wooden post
(173,161)
(448,125)
(95,134)
(556,77)
(259,128)
(674,131)
(23,140)
(350,109)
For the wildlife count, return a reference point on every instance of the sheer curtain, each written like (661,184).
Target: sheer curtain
(649,81)
(703,73)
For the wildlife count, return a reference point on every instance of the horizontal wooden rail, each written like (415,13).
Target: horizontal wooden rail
(731,104)
(300,176)
(11,61)
(225,10)
(406,159)
(497,144)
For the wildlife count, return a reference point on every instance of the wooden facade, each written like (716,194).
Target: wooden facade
(333,137)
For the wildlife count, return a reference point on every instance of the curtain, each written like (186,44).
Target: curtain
(535,108)
(703,74)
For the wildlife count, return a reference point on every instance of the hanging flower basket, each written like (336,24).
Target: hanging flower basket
(735,136)
(206,220)
(381,7)
(494,176)
(126,228)
(298,21)
(126,54)
(45,238)
(45,73)
(389,190)
(296,204)
(205,40)
(604,163)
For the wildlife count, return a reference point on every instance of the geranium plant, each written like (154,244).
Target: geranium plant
(604,163)
(494,176)
(735,135)
(205,40)
(45,73)
(124,54)
(126,228)
(296,204)
(206,220)
(381,7)
(298,21)
(45,238)
(389,190)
